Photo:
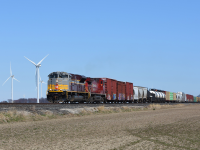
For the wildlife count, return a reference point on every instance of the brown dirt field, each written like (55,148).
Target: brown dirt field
(172,128)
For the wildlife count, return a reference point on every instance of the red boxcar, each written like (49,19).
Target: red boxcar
(189,98)
(110,88)
(129,91)
(121,90)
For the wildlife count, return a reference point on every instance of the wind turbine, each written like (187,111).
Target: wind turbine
(41,81)
(11,76)
(37,75)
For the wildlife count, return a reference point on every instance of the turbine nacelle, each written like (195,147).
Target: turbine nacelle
(38,65)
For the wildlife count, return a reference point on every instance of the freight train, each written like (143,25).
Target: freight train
(66,87)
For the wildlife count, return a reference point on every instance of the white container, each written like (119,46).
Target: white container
(136,93)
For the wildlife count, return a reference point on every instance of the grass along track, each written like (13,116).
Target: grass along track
(37,113)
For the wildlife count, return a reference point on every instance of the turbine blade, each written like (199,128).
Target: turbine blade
(10,70)
(30,61)
(6,81)
(16,79)
(42,60)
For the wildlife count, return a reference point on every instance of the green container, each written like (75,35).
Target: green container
(171,96)
(195,99)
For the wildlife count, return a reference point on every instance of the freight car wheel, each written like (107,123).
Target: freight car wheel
(102,100)
(91,100)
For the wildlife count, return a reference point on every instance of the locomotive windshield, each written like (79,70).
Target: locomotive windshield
(64,76)
(53,76)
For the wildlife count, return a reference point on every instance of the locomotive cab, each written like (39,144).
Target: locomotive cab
(66,87)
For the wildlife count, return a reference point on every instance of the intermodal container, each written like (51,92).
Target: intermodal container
(121,90)
(174,96)
(194,99)
(167,96)
(171,96)
(129,91)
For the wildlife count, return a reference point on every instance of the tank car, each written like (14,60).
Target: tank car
(160,95)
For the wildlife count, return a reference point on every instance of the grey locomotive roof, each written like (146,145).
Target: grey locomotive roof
(58,72)
(65,73)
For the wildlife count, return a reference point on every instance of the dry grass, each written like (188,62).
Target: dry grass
(101,108)
(158,106)
(23,116)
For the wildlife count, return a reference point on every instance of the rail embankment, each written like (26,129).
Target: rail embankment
(23,113)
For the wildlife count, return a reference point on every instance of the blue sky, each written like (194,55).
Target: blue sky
(150,43)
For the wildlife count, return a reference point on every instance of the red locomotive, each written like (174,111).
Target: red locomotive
(109,90)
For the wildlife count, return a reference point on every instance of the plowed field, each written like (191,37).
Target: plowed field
(172,128)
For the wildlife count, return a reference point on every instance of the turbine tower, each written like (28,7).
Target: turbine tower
(11,76)
(37,75)
(41,81)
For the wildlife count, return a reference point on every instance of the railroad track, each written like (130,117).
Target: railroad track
(57,107)
(77,105)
